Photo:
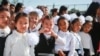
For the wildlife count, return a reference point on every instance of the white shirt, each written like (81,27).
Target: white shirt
(78,44)
(4,32)
(18,44)
(77,39)
(87,42)
(70,43)
(55,19)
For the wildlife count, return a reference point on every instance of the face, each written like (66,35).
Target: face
(33,21)
(55,13)
(12,8)
(11,21)
(98,12)
(87,27)
(7,6)
(76,26)
(47,24)
(22,24)
(4,18)
(63,25)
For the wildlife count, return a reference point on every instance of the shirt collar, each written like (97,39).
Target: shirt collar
(4,32)
(19,34)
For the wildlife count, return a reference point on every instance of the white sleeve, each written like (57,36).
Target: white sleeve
(72,47)
(32,53)
(60,41)
(7,49)
(33,39)
(91,48)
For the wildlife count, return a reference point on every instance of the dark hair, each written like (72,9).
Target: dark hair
(20,15)
(85,24)
(12,5)
(62,8)
(46,18)
(4,2)
(61,18)
(92,9)
(75,20)
(33,13)
(3,9)
(53,10)
(18,7)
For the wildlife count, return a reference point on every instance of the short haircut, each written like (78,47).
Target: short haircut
(33,13)
(3,9)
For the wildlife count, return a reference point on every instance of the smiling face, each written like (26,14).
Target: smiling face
(63,25)
(22,24)
(47,23)
(76,26)
(87,27)
(4,18)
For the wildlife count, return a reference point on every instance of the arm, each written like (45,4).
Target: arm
(72,47)
(61,53)
(58,39)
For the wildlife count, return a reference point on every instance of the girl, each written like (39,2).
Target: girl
(69,48)
(33,21)
(55,17)
(86,38)
(20,42)
(47,39)
(75,28)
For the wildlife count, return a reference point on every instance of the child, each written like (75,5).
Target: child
(34,21)
(20,42)
(75,28)
(86,38)
(69,48)
(54,14)
(11,20)
(4,29)
(47,39)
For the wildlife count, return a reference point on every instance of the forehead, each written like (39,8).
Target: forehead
(48,20)
(23,19)
(6,13)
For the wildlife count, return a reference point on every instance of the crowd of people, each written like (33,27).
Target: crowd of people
(28,31)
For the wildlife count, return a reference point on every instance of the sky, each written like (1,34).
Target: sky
(81,4)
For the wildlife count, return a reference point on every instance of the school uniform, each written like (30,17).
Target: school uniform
(3,35)
(78,44)
(69,47)
(87,44)
(46,45)
(55,19)
(35,29)
(18,44)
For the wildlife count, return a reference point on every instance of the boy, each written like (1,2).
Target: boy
(4,29)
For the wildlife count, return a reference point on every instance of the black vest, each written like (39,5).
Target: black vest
(45,45)
(2,43)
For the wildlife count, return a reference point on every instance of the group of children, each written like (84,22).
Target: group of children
(27,34)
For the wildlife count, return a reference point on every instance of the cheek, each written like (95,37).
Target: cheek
(0,21)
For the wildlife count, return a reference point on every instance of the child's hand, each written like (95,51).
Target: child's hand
(53,34)
(61,53)
(43,30)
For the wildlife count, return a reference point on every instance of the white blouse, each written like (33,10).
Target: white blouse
(78,43)
(69,43)
(4,32)
(18,44)
(86,41)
